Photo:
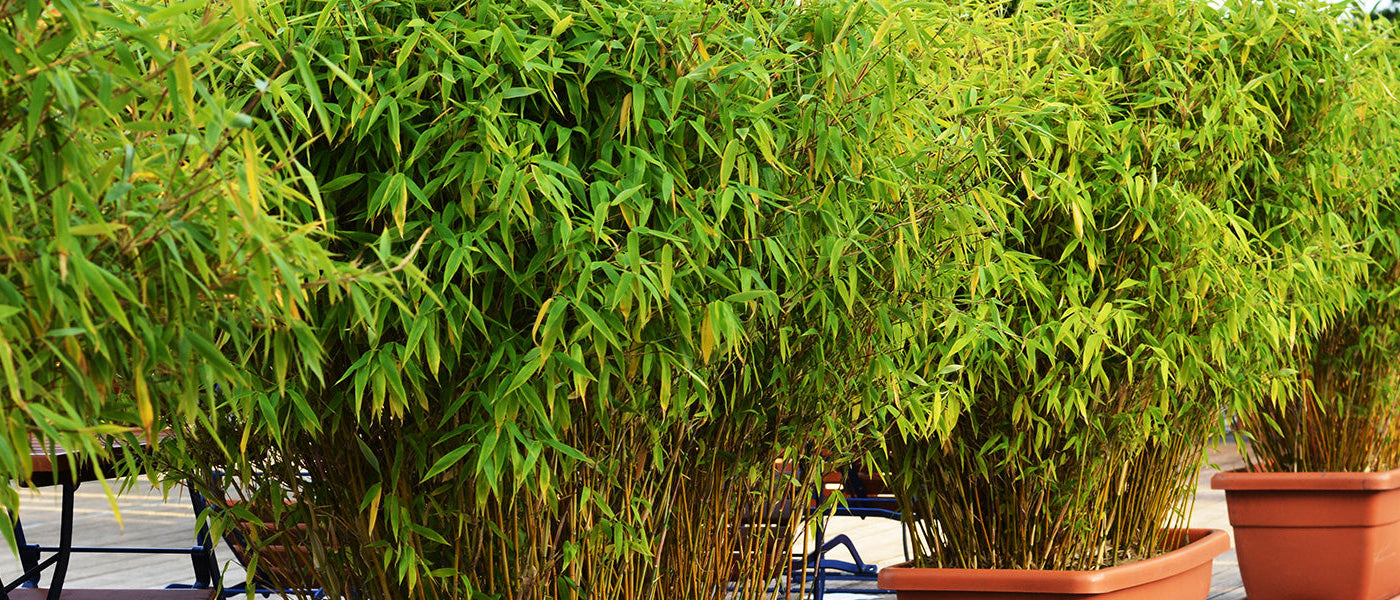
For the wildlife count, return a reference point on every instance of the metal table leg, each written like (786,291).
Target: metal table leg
(65,542)
(28,556)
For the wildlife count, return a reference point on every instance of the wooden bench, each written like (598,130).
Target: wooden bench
(158,594)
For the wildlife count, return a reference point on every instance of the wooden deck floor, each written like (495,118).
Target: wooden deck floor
(1209,511)
(152,521)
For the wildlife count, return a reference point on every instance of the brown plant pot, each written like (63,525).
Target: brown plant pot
(285,564)
(1315,536)
(1182,574)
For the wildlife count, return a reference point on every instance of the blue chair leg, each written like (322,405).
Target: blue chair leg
(206,565)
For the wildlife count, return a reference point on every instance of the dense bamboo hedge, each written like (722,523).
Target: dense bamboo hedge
(561,300)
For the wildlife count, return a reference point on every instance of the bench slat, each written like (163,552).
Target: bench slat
(157,594)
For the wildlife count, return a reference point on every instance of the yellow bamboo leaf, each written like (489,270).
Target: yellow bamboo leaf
(184,82)
(539,318)
(143,402)
(374,508)
(707,338)
(250,165)
(625,112)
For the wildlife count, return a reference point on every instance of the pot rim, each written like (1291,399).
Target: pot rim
(1240,479)
(1203,546)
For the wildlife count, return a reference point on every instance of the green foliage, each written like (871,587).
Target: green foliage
(1344,417)
(1178,223)
(144,250)
(661,263)
(657,247)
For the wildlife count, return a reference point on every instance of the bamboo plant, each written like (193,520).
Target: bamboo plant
(661,259)
(1159,262)
(1343,415)
(147,245)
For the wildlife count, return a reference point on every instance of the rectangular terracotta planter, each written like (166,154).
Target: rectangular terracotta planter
(1182,574)
(1315,536)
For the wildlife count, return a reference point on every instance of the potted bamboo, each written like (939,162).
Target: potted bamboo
(1316,511)
(645,249)
(1131,302)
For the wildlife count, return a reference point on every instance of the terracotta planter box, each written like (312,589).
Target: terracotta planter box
(1315,536)
(1182,574)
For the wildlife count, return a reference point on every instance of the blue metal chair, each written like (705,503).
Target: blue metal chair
(865,496)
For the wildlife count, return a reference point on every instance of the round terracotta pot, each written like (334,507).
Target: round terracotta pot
(1315,536)
(1182,574)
